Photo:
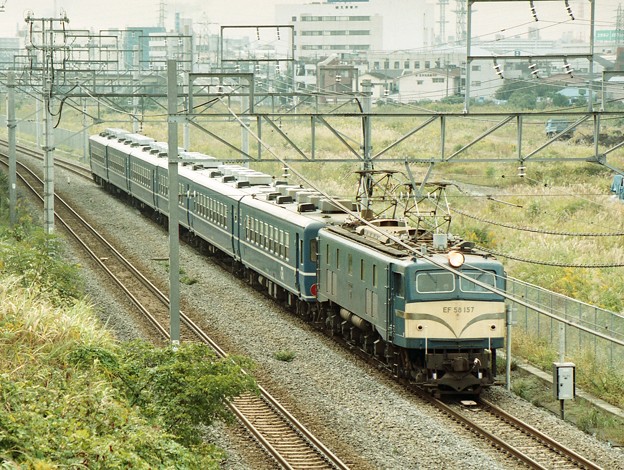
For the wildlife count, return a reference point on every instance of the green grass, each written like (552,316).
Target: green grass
(284,356)
(581,413)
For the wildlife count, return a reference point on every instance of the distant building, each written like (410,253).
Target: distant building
(432,84)
(137,38)
(352,27)
(336,78)
(9,47)
(383,82)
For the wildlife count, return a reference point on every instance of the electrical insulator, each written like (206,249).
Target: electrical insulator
(569,10)
(534,70)
(533,11)
(498,70)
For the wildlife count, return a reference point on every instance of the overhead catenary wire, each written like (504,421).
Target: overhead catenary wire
(552,263)
(536,230)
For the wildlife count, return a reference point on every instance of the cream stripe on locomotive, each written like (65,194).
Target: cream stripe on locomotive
(454,318)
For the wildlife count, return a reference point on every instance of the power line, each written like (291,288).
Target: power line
(552,263)
(536,230)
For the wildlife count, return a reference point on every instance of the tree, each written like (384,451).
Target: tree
(523,100)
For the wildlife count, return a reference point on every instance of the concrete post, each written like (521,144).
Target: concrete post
(11,125)
(174,235)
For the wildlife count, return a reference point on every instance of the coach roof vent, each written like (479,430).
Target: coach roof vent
(302,196)
(273,196)
(284,190)
(306,207)
(256,178)
(330,206)
(283,199)
(138,140)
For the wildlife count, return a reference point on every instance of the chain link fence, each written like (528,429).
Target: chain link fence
(577,341)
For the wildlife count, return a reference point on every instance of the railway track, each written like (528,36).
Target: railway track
(284,438)
(513,436)
(505,432)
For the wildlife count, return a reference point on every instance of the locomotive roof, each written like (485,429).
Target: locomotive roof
(472,257)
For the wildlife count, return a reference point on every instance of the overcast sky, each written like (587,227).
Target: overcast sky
(103,14)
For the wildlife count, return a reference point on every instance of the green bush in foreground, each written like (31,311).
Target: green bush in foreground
(73,397)
(39,260)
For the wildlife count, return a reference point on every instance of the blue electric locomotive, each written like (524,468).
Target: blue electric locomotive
(439,327)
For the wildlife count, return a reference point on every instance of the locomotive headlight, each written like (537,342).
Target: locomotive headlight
(456,259)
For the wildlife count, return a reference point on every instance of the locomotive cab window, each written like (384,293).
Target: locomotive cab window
(434,282)
(484,277)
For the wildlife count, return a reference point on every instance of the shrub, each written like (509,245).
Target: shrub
(39,260)
(182,389)
(63,391)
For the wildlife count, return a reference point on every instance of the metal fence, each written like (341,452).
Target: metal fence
(75,142)
(577,341)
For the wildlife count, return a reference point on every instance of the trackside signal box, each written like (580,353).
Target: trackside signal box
(564,380)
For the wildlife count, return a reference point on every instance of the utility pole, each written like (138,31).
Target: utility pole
(47,47)
(11,125)
(367,163)
(174,234)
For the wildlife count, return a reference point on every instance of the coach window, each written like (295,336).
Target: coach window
(314,250)
(287,244)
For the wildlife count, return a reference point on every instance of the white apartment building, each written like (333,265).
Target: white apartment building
(357,26)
